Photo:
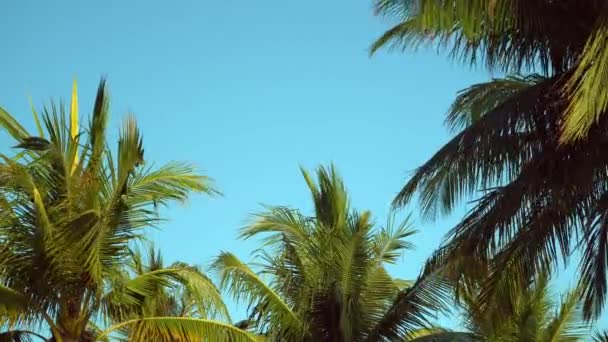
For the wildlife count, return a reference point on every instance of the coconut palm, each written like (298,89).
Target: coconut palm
(534,314)
(323,277)
(531,147)
(70,211)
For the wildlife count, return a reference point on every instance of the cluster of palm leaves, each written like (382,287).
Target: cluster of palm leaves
(326,274)
(72,210)
(529,147)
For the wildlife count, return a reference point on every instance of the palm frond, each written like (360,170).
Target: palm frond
(568,323)
(12,303)
(329,196)
(444,336)
(180,329)
(12,126)
(412,308)
(19,336)
(171,182)
(243,284)
(390,242)
(205,295)
(279,223)
(74,128)
(587,87)
(127,297)
(479,99)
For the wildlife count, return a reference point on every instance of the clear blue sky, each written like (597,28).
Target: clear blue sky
(248,91)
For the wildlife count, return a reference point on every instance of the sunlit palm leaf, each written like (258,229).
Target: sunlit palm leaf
(11,125)
(569,323)
(243,284)
(181,329)
(74,129)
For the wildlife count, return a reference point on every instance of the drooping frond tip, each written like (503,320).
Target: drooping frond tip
(74,121)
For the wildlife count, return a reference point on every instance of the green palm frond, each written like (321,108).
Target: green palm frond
(587,87)
(171,182)
(12,126)
(201,290)
(280,223)
(181,329)
(127,297)
(439,335)
(390,242)
(243,284)
(12,303)
(329,196)
(568,323)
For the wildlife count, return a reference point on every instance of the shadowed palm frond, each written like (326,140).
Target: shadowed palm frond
(600,336)
(20,336)
(412,308)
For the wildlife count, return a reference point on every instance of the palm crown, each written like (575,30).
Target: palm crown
(532,146)
(71,211)
(327,276)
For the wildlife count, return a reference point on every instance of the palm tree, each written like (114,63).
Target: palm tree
(532,146)
(70,211)
(534,315)
(325,274)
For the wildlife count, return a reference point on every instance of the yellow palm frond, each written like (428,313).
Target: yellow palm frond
(74,121)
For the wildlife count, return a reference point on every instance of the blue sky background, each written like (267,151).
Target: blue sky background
(248,91)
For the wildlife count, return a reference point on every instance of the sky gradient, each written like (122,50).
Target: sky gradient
(248,91)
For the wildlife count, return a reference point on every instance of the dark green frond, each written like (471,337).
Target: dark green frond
(412,308)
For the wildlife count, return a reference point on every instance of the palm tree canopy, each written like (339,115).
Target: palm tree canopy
(71,209)
(531,148)
(323,277)
(533,314)
(557,37)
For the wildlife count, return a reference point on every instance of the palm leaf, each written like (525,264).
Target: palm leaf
(11,302)
(389,243)
(443,336)
(412,307)
(12,126)
(19,336)
(243,284)
(180,329)
(589,98)
(569,323)
(206,295)
(74,129)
